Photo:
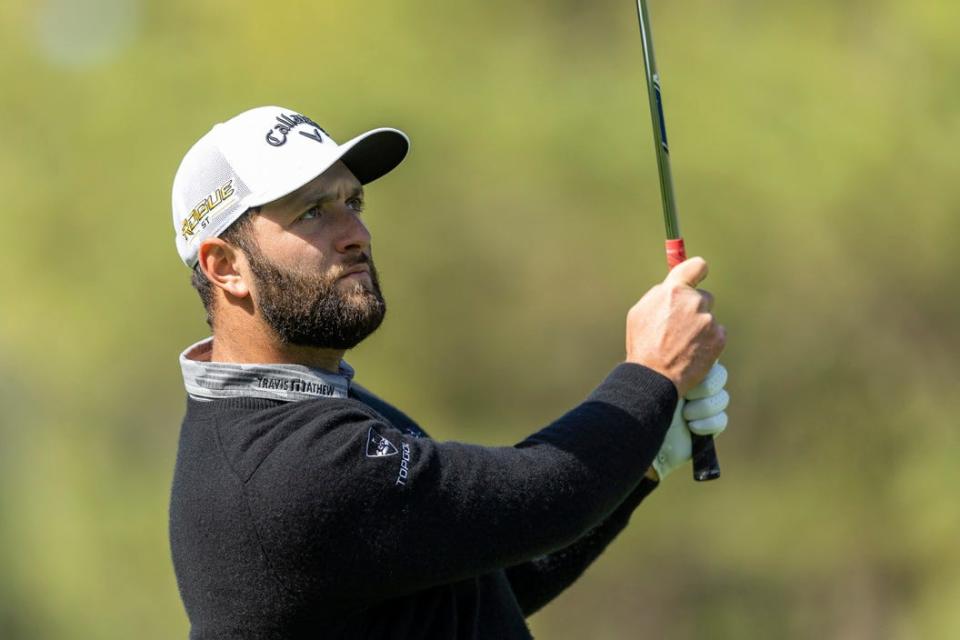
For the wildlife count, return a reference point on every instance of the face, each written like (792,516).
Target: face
(313,278)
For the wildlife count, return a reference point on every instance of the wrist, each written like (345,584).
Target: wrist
(660,369)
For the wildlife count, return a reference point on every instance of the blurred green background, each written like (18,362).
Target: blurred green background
(815,148)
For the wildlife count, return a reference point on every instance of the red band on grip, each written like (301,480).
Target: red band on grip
(676,252)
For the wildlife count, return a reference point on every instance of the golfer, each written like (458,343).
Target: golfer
(303,505)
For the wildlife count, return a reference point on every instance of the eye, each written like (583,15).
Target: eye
(356,204)
(313,212)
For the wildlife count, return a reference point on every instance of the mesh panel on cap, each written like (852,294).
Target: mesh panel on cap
(208,197)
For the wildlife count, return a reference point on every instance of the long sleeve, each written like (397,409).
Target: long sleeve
(536,582)
(348,508)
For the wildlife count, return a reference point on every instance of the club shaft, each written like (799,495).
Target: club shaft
(661,145)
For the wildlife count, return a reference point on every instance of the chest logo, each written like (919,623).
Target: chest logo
(378,446)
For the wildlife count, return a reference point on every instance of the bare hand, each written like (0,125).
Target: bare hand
(671,329)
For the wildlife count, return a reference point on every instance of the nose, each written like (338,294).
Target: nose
(353,235)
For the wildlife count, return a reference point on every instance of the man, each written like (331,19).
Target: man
(305,506)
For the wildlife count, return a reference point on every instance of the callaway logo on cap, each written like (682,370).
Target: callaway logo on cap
(260,156)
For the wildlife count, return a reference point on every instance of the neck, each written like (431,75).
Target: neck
(261,349)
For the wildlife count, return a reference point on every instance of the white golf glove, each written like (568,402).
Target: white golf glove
(703,412)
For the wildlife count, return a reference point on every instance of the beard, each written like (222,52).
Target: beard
(317,310)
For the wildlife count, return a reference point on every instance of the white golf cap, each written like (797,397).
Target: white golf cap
(259,156)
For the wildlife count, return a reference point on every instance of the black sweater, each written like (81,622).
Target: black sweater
(340,518)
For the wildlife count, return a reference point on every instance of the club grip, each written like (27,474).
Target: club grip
(706,466)
(676,252)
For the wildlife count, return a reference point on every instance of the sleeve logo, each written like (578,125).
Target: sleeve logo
(378,446)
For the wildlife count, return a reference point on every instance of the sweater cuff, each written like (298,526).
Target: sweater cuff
(643,393)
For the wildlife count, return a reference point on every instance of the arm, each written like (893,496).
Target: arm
(537,582)
(342,514)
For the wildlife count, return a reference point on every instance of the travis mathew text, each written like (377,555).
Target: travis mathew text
(296,385)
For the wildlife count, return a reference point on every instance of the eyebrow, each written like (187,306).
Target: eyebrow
(312,197)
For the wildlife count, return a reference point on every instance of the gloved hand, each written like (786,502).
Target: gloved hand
(702,411)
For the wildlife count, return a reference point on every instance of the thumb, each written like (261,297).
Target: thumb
(690,272)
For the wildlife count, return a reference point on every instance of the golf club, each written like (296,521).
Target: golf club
(706,466)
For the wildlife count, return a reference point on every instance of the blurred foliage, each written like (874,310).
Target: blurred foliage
(816,163)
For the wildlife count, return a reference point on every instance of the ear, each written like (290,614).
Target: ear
(225,267)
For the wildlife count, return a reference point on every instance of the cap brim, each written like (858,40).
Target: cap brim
(375,153)
(369,156)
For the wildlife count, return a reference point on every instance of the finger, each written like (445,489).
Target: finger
(689,272)
(721,340)
(714,425)
(716,379)
(706,300)
(706,407)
